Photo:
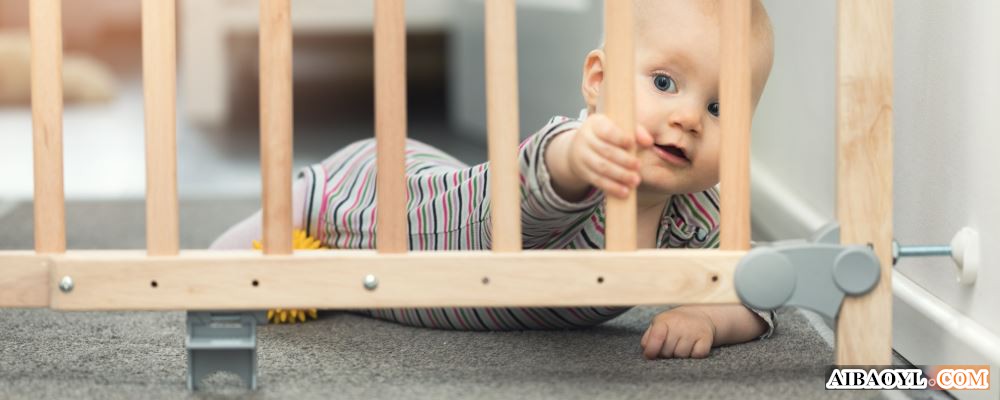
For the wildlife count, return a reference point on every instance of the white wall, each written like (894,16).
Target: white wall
(793,131)
(553,36)
(947,134)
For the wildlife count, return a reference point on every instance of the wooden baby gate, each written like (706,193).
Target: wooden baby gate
(165,278)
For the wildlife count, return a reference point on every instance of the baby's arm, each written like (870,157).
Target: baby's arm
(734,323)
(596,155)
(242,235)
(692,330)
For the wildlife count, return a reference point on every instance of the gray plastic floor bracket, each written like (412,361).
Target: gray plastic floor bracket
(222,341)
(815,274)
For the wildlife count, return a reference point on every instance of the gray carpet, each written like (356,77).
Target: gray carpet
(47,354)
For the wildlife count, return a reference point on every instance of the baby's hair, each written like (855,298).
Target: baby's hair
(760,22)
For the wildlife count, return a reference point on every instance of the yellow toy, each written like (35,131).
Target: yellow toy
(300,241)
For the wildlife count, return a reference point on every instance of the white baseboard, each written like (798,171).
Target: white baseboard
(926,331)
(778,213)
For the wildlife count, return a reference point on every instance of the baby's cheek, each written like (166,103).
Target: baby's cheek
(711,169)
(708,160)
(704,173)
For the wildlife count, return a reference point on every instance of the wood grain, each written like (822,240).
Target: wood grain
(502,124)
(391,224)
(276,124)
(735,114)
(864,171)
(123,280)
(159,82)
(46,125)
(620,227)
(24,279)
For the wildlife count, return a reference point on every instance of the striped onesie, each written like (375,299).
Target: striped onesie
(449,209)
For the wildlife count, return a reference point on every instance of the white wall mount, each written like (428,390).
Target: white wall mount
(965,253)
(964,250)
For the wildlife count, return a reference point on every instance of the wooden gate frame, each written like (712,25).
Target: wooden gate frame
(165,278)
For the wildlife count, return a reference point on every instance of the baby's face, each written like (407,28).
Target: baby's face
(677,97)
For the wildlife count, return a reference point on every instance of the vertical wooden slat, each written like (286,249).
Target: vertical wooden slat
(734,103)
(502,123)
(620,107)
(276,123)
(159,81)
(864,171)
(390,125)
(46,118)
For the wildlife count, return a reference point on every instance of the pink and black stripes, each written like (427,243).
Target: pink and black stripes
(448,208)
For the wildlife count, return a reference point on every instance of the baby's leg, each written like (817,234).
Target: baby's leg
(242,235)
(499,319)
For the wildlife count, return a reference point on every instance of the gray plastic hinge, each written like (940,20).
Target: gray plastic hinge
(814,274)
(222,341)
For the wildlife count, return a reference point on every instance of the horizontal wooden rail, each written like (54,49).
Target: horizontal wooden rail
(204,280)
(24,279)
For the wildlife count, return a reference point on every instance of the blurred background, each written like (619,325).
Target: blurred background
(218,148)
(946,93)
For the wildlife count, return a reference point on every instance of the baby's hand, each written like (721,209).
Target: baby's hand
(599,154)
(679,332)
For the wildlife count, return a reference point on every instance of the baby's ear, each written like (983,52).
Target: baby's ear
(593,77)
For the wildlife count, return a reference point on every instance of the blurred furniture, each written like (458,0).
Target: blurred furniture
(83,21)
(205,27)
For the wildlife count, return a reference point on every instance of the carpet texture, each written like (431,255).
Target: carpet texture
(48,354)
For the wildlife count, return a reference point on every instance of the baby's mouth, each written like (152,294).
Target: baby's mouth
(675,151)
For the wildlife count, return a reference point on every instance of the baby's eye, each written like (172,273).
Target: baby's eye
(714,109)
(664,83)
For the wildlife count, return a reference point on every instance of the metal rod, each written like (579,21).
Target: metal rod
(899,251)
(924,251)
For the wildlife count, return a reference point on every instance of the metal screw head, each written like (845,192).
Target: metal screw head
(895,251)
(66,284)
(371,282)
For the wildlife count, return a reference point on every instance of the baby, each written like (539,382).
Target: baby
(567,168)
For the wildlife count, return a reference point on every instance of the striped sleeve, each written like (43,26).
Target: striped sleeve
(313,179)
(448,202)
(544,214)
(317,178)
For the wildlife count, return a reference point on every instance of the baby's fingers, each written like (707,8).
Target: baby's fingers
(701,348)
(607,131)
(609,186)
(683,348)
(670,344)
(609,176)
(615,154)
(654,342)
